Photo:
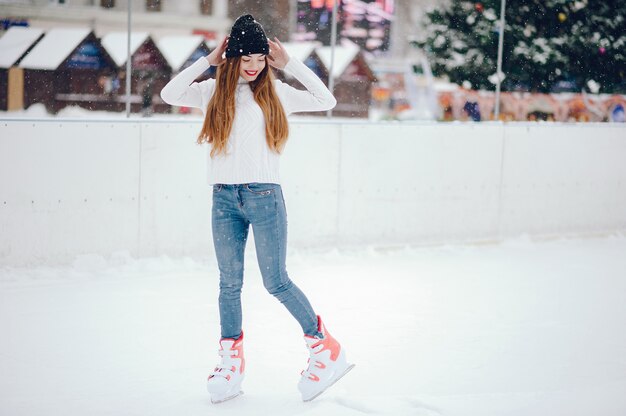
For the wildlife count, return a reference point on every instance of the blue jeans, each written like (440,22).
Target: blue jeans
(235,208)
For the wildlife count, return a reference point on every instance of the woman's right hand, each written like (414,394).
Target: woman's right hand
(215,58)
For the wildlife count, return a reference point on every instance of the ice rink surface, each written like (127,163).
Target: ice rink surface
(518,328)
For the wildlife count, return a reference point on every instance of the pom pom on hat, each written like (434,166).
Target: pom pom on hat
(247,37)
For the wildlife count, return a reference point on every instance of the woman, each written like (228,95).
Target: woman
(246,126)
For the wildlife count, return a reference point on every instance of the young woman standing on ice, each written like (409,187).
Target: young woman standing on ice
(246,126)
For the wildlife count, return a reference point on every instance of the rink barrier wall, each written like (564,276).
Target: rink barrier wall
(75,187)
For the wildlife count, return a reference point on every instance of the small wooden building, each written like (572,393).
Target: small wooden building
(62,70)
(150,70)
(353,80)
(180,52)
(305,52)
(15,44)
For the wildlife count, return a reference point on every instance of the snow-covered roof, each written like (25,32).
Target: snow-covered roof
(15,42)
(56,45)
(300,50)
(115,44)
(177,49)
(344,54)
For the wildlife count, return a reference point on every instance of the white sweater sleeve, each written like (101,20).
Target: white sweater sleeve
(182,91)
(316,97)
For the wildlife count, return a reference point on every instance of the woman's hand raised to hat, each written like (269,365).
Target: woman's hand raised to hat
(216,57)
(278,56)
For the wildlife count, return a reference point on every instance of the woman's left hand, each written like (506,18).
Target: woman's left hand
(278,57)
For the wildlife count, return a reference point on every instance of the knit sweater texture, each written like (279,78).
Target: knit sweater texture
(248,158)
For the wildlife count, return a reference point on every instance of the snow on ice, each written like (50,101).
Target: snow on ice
(519,328)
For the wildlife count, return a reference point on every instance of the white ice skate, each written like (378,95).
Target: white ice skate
(224,382)
(327,364)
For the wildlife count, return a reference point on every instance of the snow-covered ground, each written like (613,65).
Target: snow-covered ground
(518,328)
(72,112)
(39,111)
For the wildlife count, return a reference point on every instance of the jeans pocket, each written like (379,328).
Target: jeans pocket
(217,188)
(282,199)
(259,188)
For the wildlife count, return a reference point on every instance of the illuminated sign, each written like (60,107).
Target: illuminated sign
(365,22)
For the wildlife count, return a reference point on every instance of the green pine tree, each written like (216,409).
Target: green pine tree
(548,45)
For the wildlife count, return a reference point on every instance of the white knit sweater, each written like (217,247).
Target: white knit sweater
(248,158)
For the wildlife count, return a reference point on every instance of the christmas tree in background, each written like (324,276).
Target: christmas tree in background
(551,45)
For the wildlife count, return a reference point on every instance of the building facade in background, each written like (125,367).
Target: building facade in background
(102,16)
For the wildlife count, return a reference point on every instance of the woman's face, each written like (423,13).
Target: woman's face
(251,66)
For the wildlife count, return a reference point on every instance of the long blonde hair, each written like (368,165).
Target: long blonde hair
(220,112)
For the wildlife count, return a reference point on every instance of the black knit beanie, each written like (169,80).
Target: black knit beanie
(247,37)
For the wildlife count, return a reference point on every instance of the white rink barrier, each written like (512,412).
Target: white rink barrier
(74,187)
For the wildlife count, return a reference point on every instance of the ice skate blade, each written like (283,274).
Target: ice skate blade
(223,399)
(308,399)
